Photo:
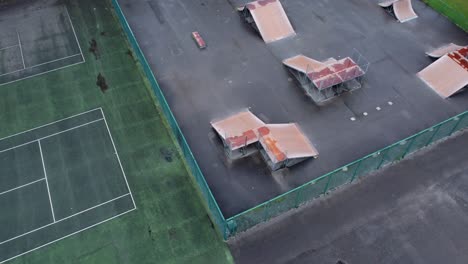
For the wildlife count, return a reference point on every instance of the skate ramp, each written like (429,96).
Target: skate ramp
(443,50)
(325,74)
(303,64)
(269,19)
(447,75)
(401,9)
(238,130)
(285,141)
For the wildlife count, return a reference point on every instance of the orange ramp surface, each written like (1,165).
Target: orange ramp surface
(285,141)
(271,19)
(303,64)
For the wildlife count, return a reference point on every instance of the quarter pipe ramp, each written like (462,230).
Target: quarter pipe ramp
(449,74)
(268,18)
(402,10)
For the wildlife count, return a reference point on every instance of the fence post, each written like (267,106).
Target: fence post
(265,214)
(296,202)
(433,135)
(408,147)
(458,122)
(383,158)
(328,183)
(355,171)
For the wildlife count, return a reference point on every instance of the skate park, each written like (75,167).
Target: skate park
(239,70)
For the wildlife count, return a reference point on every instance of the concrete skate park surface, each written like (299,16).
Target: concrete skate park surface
(413,212)
(238,70)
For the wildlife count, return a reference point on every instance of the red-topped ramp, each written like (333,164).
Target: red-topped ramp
(238,130)
(283,145)
(269,19)
(401,9)
(449,74)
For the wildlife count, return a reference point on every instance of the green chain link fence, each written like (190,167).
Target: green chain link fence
(451,11)
(345,174)
(214,211)
(305,192)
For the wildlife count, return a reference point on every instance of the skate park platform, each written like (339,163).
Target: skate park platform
(323,81)
(238,70)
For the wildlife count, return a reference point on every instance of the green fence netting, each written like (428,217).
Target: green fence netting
(305,192)
(451,11)
(345,174)
(214,211)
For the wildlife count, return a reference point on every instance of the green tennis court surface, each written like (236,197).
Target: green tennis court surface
(36,40)
(58,180)
(170,224)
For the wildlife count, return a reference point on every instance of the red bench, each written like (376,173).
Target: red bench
(199,40)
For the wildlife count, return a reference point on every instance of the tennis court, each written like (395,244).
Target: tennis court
(57,180)
(36,38)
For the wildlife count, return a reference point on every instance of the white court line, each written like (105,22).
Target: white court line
(17,146)
(40,64)
(21,49)
(74,233)
(9,47)
(47,182)
(34,75)
(94,207)
(19,187)
(118,158)
(66,57)
(76,37)
(51,123)
(63,219)
(51,135)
